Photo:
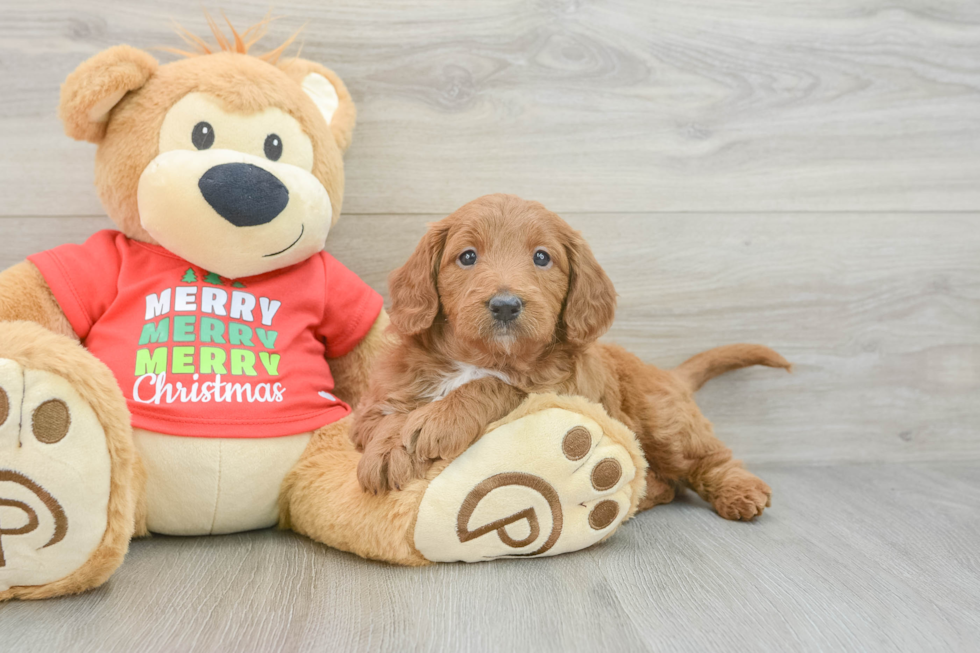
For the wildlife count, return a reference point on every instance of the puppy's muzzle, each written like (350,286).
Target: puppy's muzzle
(505,308)
(244,194)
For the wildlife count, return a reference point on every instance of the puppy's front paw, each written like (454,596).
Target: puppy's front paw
(433,432)
(386,468)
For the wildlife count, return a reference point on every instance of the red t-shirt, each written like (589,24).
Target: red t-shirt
(200,355)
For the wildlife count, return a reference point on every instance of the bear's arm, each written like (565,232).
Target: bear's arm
(25,295)
(352,371)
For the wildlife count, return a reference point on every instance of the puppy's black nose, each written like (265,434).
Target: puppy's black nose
(244,194)
(505,308)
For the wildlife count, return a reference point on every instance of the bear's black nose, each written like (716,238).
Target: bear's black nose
(505,308)
(244,194)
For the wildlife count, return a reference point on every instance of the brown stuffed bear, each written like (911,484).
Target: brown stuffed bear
(173,376)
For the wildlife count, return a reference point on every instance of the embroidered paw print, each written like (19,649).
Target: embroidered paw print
(545,484)
(605,475)
(54,477)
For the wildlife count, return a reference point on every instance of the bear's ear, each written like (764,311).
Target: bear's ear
(328,92)
(89,93)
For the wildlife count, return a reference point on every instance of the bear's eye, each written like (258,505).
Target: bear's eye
(467,258)
(202,135)
(273,147)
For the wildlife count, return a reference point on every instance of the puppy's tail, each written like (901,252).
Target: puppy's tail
(699,369)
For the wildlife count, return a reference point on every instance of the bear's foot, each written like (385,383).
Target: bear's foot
(549,482)
(61,529)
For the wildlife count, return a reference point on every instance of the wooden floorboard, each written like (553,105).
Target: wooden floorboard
(625,105)
(849,558)
(878,313)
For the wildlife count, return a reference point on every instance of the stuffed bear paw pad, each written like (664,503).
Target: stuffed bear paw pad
(54,477)
(547,483)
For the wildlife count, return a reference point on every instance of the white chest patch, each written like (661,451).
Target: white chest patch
(460,375)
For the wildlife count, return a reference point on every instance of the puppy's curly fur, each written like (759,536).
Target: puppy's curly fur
(458,367)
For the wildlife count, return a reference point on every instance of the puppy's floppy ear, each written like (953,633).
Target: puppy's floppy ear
(97,85)
(591,301)
(414,294)
(328,92)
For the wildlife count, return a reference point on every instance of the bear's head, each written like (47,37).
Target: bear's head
(231,161)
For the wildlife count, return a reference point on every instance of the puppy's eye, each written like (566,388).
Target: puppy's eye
(202,136)
(542,259)
(273,147)
(467,258)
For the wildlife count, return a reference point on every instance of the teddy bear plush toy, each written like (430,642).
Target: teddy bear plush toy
(192,372)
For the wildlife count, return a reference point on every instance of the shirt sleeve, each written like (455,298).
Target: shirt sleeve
(350,308)
(83,278)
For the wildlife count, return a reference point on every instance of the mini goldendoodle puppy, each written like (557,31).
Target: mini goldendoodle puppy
(503,298)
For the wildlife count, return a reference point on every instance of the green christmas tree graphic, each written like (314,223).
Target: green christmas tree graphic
(213,279)
(189,276)
(238,284)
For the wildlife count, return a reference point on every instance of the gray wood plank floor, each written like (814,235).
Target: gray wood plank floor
(622,105)
(850,558)
(878,312)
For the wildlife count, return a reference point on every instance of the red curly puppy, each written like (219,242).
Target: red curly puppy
(503,298)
